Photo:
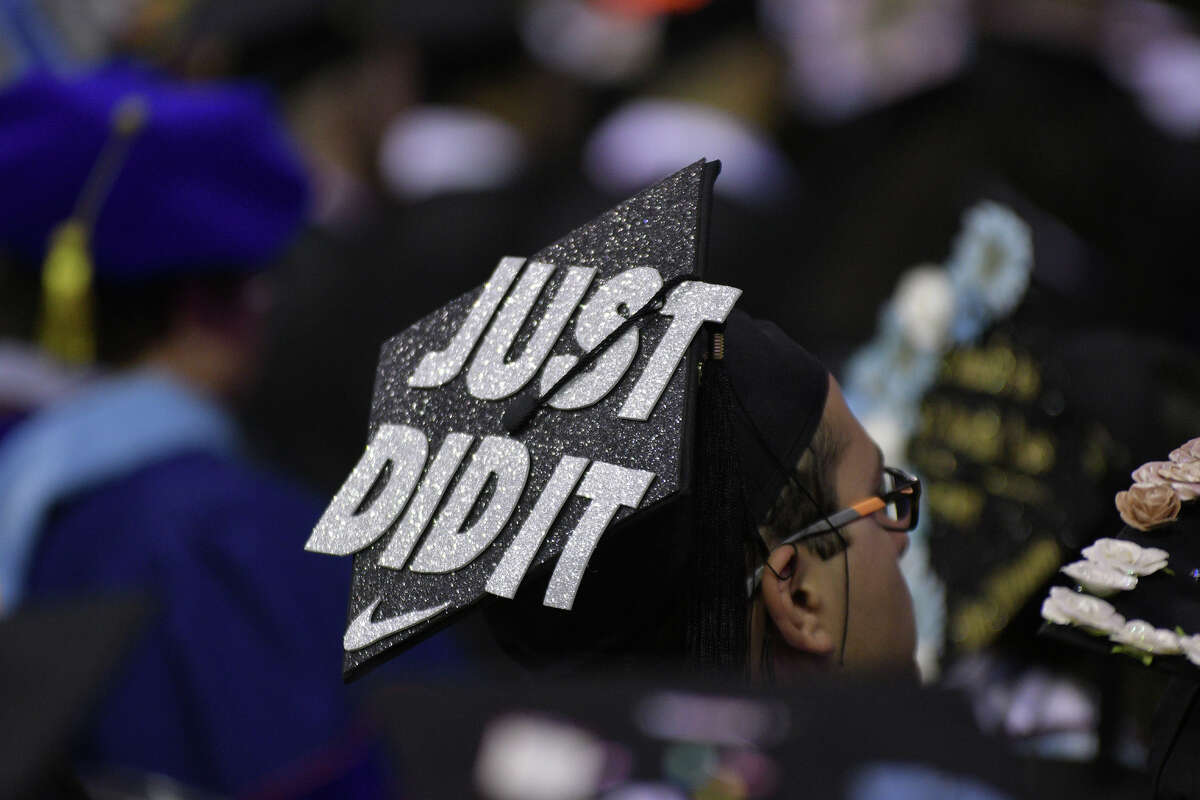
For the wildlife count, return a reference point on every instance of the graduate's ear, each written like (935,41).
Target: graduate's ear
(795,600)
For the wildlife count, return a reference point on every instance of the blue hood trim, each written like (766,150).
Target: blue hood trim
(110,429)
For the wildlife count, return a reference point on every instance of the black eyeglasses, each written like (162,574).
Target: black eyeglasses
(894,507)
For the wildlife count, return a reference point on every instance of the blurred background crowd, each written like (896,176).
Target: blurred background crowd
(979,213)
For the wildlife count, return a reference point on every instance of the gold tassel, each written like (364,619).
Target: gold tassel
(66,324)
(65,329)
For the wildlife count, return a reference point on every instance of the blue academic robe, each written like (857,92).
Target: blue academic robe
(237,683)
(238,676)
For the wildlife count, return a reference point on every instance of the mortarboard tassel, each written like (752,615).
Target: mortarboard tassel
(65,328)
(718,625)
(66,323)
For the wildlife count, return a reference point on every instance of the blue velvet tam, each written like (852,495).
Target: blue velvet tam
(209,183)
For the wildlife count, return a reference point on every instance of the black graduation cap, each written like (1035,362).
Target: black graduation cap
(511,428)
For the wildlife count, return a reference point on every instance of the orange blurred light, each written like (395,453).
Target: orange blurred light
(650,8)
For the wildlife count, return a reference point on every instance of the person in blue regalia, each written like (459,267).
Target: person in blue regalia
(152,209)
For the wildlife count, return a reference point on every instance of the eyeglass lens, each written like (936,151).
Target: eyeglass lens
(898,510)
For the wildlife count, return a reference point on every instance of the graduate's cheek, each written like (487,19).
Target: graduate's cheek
(882,628)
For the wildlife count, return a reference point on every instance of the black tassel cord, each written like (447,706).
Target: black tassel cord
(717,637)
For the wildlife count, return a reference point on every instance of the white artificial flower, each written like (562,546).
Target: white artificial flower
(1128,557)
(1065,607)
(1100,580)
(1190,645)
(992,258)
(923,304)
(1144,636)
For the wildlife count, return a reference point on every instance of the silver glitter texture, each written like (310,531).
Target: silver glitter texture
(599,317)
(429,494)
(657,229)
(608,487)
(448,547)
(340,531)
(439,367)
(512,567)
(690,305)
(491,376)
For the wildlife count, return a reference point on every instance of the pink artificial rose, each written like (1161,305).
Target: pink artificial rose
(1148,505)
(1184,478)
(1149,472)
(1187,452)
(1188,472)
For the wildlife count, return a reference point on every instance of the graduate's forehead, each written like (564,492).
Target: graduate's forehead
(857,458)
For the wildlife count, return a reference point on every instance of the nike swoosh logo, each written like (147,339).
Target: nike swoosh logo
(362,632)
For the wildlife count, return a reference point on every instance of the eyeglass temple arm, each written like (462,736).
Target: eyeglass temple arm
(835,521)
(844,517)
(827,525)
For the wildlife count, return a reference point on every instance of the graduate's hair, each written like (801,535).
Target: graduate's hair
(808,495)
(19,297)
(131,317)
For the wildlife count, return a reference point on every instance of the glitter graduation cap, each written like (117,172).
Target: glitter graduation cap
(511,428)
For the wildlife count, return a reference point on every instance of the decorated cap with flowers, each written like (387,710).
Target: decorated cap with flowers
(1149,574)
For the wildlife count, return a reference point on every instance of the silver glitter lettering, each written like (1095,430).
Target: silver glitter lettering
(364,631)
(491,376)
(439,367)
(341,531)
(599,317)
(609,487)
(512,567)
(691,305)
(448,547)
(429,494)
